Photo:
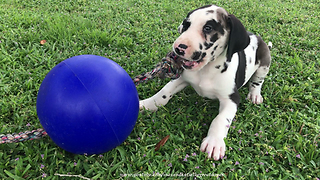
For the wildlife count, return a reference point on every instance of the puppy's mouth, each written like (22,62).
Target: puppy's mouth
(191,64)
(188,64)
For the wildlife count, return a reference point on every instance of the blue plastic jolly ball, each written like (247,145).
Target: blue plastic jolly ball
(88,104)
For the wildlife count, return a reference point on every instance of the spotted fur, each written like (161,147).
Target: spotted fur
(219,57)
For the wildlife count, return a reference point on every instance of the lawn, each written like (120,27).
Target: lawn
(278,139)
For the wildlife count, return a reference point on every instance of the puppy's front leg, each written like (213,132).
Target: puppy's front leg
(214,144)
(164,95)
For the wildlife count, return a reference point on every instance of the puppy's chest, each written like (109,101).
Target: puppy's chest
(210,82)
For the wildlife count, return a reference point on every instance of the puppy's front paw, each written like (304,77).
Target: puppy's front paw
(141,105)
(255,98)
(145,104)
(214,146)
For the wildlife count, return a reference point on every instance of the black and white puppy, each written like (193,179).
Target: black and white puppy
(219,57)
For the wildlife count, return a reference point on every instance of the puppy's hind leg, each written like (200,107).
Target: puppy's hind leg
(164,95)
(256,84)
(256,81)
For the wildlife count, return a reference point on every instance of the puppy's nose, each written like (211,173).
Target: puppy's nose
(180,50)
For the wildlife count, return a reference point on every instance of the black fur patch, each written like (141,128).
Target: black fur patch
(181,53)
(200,46)
(203,55)
(214,38)
(256,84)
(210,11)
(235,96)
(207,45)
(185,25)
(196,55)
(225,67)
(263,53)
(241,71)
(183,46)
(215,25)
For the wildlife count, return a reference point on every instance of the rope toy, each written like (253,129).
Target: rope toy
(22,136)
(169,67)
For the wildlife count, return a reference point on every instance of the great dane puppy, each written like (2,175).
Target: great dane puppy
(218,56)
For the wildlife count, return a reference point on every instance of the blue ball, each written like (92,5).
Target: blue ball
(88,104)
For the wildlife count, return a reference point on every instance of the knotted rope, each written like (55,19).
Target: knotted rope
(169,67)
(22,136)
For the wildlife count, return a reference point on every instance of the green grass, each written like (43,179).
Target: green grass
(276,140)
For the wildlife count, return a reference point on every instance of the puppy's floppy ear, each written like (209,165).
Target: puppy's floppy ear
(238,37)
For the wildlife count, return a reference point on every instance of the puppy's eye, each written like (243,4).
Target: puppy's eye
(207,28)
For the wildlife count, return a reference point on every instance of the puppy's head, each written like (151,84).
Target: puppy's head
(207,33)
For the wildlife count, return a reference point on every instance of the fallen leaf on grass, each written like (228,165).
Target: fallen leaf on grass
(42,42)
(161,143)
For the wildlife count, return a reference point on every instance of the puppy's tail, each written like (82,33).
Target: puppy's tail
(269,45)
